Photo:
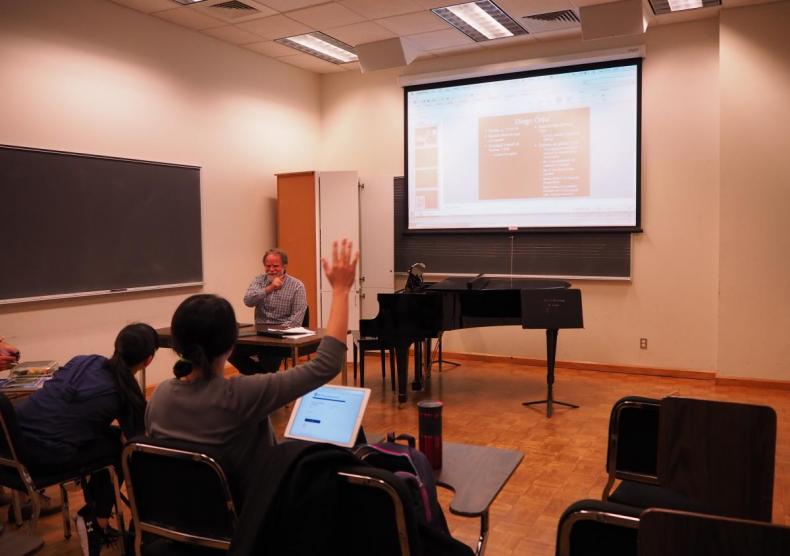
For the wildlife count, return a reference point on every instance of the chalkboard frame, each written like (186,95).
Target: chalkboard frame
(86,225)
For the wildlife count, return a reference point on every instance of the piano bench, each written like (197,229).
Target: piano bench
(363,344)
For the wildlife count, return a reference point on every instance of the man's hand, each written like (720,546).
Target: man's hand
(343,271)
(276,283)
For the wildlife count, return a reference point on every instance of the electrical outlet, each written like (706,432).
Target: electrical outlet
(642,343)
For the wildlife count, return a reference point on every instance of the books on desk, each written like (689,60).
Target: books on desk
(295,332)
(17,383)
(34,368)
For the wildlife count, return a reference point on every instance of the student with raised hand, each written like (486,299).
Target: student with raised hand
(232,414)
(68,422)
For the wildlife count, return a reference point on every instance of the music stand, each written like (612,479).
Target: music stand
(552,310)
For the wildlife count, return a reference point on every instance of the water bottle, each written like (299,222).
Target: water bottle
(430,426)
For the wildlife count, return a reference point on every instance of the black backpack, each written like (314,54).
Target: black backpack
(413,467)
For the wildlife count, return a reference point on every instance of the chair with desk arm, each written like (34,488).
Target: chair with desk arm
(695,455)
(178,493)
(19,476)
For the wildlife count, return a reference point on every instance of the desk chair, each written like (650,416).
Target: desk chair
(694,455)
(179,493)
(663,532)
(18,476)
(595,528)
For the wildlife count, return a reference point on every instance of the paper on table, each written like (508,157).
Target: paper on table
(295,332)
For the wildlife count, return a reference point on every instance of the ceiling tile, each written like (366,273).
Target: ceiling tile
(558,34)
(233,34)
(312,63)
(519,8)
(439,39)
(360,33)
(189,18)
(287,5)
(147,6)
(375,9)
(411,24)
(275,27)
(325,16)
(272,49)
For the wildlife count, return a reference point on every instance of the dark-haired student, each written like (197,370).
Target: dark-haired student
(68,422)
(232,414)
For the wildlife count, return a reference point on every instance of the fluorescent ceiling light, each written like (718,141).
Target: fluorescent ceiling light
(661,7)
(482,21)
(678,5)
(187,2)
(322,46)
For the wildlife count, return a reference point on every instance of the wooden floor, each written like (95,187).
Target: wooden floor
(563,456)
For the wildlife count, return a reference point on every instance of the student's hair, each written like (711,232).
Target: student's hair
(276,251)
(134,344)
(203,328)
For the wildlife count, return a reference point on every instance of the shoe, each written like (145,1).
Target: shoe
(92,537)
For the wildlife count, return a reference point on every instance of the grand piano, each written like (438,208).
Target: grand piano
(409,317)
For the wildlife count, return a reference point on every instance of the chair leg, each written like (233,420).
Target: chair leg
(119,509)
(16,502)
(362,367)
(65,512)
(35,512)
(383,369)
(356,360)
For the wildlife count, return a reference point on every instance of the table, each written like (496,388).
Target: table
(476,475)
(248,336)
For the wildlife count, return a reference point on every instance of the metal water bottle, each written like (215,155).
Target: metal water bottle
(430,425)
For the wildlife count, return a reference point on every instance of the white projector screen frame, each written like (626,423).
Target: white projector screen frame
(550,149)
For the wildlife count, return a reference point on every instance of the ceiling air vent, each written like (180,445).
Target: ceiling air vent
(235,5)
(234,11)
(551,21)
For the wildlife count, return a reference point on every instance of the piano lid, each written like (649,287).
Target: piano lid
(483,282)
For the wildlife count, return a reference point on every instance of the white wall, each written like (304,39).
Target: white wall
(673,299)
(755,192)
(95,77)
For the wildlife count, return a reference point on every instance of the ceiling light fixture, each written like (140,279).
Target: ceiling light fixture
(661,7)
(187,2)
(322,46)
(481,21)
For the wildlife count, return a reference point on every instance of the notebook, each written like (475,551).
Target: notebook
(330,414)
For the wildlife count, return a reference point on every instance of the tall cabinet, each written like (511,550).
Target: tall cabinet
(314,209)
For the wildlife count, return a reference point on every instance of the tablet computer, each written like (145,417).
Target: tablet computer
(331,414)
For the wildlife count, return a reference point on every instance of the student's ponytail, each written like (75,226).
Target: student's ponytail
(134,344)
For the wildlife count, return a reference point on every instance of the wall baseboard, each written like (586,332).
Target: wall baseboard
(774,384)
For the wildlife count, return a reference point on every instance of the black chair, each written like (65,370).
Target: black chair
(595,528)
(17,475)
(180,497)
(363,344)
(663,532)
(693,455)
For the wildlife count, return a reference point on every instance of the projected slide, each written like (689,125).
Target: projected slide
(535,151)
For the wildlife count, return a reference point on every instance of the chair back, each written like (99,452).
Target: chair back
(719,453)
(306,318)
(13,473)
(180,492)
(664,532)
(632,453)
(382,511)
(595,528)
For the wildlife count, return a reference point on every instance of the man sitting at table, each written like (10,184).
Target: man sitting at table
(279,300)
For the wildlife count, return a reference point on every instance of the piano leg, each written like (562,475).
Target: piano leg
(551,353)
(402,364)
(418,363)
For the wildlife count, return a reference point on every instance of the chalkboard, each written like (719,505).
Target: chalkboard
(75,224)
(560,254)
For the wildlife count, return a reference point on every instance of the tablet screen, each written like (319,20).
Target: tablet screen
(330,414)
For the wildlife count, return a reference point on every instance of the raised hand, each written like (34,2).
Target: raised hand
(342,272)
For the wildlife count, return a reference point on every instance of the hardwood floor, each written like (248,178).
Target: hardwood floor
(564,456)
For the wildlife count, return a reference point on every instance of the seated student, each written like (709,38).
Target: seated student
(67,422)
(232,414)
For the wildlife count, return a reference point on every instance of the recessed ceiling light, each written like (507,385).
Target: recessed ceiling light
(481,21)
(322,46)
(661,7)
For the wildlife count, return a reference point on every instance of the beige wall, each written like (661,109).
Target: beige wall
(92,76)
(754,330)
(673,299)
